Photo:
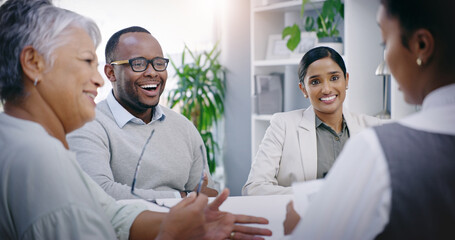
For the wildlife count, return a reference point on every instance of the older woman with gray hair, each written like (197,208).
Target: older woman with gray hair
(48,82)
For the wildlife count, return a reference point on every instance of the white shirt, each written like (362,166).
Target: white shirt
(122,116)
(46,195)
(354,202)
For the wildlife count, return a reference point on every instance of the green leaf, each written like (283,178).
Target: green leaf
(294,33)
(327,9)
(309,24)
(200,93)
(327,18)
(341,10)
(321,34)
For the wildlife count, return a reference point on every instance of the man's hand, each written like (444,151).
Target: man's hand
(292,218)
(220,225)
(186,220)
(210,192)
(206,190)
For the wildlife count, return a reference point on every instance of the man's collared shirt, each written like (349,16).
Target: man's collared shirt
(122,116)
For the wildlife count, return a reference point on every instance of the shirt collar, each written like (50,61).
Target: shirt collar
(122,116)
(440,97)
(320,123)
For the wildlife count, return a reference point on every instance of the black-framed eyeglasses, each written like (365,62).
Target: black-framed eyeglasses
(133,184)
(140,64)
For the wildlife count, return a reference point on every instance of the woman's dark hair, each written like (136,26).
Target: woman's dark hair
(436,16)
(319,53)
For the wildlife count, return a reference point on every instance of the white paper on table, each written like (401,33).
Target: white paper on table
(304,192)
(272,207)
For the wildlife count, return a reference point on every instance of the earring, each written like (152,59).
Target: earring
(419,61)
(305,95)
(347,87)
(36,81)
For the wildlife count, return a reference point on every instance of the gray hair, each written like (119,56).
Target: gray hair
(35,23)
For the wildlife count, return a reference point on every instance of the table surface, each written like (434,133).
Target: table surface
(272,207)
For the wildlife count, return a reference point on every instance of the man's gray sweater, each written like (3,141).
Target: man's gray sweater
(109,154)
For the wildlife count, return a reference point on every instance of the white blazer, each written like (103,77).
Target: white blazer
(288,151)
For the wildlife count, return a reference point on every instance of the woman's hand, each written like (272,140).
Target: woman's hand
(186,220)
(292,218)
(221,225)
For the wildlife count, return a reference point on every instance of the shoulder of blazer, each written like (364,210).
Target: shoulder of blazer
(295,118)
(357,122)
(289,116)
(367,120)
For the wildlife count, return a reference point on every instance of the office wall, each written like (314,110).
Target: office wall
(364,53)
(235,40)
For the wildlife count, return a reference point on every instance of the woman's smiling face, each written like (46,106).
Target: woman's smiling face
(325,85)
(70,85)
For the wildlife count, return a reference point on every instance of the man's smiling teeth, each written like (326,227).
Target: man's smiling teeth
(328,98)
(148,86)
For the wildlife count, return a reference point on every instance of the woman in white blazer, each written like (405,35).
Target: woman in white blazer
(289,150)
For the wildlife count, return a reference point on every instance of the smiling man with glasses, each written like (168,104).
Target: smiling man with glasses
(108,148)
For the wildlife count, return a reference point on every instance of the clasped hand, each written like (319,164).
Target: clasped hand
(204,189)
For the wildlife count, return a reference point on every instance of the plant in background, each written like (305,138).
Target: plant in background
(200,92)
(327,23)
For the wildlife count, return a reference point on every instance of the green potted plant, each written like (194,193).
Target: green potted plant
(326,27)
(200,92)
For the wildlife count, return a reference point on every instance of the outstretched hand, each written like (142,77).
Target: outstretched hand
(222,224)
(186,220)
